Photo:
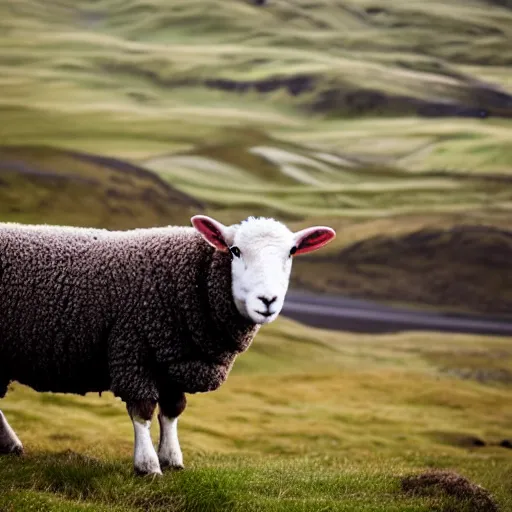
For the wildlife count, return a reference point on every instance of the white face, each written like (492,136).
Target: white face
(262,251)
(261,266)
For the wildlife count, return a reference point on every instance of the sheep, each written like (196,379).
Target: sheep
(149,314)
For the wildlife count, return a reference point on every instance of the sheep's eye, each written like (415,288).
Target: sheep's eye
(235,251)
(293,250)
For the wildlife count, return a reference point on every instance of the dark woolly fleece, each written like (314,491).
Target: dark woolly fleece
(132,312)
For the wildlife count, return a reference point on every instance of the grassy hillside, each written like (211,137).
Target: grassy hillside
(39,184)
(377,117)
(308,420)
(105,74)
(455,268)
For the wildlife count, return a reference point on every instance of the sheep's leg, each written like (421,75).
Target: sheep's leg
(145,459)
(169,451)
(9,442)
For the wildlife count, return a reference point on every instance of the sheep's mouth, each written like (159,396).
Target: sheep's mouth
(266,314)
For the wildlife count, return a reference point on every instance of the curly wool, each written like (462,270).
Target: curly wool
(133,312)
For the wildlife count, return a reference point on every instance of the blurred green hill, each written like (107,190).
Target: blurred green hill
(382,119)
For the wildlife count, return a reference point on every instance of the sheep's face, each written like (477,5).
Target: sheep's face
(261,251)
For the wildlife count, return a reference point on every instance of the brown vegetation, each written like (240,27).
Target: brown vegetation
(437,483)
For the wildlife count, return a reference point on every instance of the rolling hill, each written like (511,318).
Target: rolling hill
(382,118)
(47,185)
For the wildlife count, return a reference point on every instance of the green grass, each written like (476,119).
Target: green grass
(215,483)
(308,420)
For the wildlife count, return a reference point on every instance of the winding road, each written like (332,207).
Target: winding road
(335,312)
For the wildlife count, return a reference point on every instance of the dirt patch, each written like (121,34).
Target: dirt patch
(441,484)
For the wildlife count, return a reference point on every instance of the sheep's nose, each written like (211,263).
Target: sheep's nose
(267,301)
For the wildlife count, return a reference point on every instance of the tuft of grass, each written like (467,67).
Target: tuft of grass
(432,483)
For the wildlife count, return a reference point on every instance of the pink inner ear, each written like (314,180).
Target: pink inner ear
(211,233)
(314,239)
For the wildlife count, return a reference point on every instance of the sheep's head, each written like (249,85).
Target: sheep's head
(261,251)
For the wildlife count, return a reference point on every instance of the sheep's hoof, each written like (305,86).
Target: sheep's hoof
(18,450)
(171,466)
(148,472)
(171,461)
(14,449)
(147,467)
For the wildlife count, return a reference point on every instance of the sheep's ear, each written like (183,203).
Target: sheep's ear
(311,239)
(213,232)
